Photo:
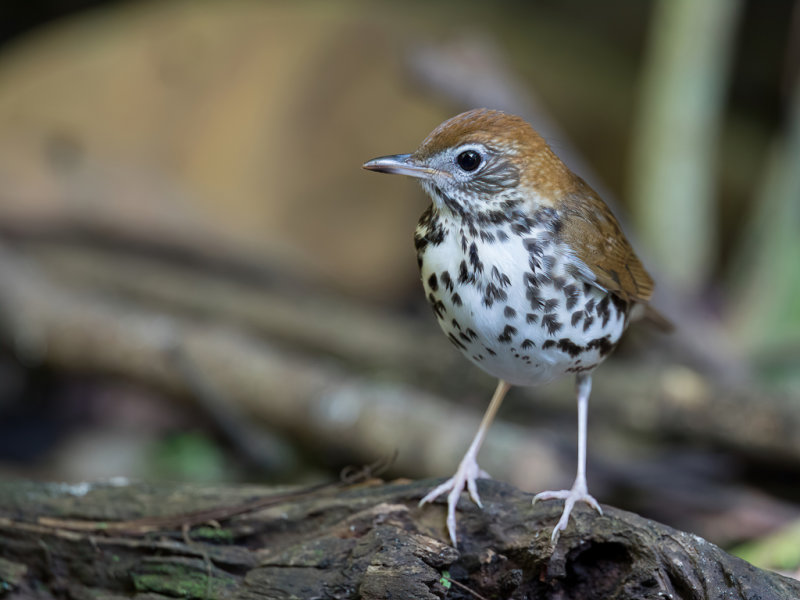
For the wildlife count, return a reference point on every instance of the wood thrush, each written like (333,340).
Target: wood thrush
(526,268)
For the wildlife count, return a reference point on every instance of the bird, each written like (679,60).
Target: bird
(526,269)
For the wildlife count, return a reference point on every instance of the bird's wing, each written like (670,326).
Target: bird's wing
(593,234)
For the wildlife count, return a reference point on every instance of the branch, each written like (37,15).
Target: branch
(368,541)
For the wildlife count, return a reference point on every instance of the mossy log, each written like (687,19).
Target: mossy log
(357,541)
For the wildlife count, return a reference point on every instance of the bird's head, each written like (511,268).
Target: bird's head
(479,159)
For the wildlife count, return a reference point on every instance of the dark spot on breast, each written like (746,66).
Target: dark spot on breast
(589,306)
(432,282)
(429,230)
(548,344)
(456,299)
(531,280)
(492,293)
(550,305)
(486,236)
(576,316)
(602,309)
(456,341)
(435,232)
(436,237)
(603,345)
(464,336)
(509,312)
(471,333)
(581,369)
(446,281)
(550,322)
(588,322)
(505,337)
(463,273)
(571,294)
(571,348)
(532,294)
(490,351)
(439,309)
(602,306)
(531,318)
(448,201)
(619,304)
(510,203)
(538,279)
(474,260)
(490,217)
(533,246)
(501,278)
(501,235)
(526,343)
(521,227)
(437,305)
(558,282)
(456,324)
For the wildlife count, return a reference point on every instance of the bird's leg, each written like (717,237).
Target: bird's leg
(579,491)
(468,471)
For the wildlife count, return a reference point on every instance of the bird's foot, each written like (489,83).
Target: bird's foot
(570,497)
(465,478)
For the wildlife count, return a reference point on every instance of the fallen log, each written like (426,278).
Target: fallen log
(368,540)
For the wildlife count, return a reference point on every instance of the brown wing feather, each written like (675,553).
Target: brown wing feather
(593,233)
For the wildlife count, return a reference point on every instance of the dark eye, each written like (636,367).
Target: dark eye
(469,160)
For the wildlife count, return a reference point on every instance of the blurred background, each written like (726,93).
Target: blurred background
(199,283)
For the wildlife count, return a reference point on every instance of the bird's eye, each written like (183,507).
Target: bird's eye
(469,160)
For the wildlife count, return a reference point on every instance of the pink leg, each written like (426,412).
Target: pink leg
(468,471)
(579,491)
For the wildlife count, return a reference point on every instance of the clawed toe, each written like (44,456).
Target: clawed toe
(468,470)
(437,491)
(570,497)
(465,478)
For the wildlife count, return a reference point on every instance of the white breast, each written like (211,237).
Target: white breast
(518,323)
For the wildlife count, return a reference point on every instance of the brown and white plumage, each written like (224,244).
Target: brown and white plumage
(591,230)
(526,269)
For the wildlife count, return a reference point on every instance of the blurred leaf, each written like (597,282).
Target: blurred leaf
(779,551)
(189,457)
(676,134)
(765,275)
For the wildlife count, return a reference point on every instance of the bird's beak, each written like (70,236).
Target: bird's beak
(401,164)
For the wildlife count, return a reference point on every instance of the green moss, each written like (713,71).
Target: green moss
(183,579)
(216,534)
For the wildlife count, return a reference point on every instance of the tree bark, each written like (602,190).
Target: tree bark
(345,541)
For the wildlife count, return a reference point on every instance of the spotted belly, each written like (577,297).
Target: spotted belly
(520,316)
